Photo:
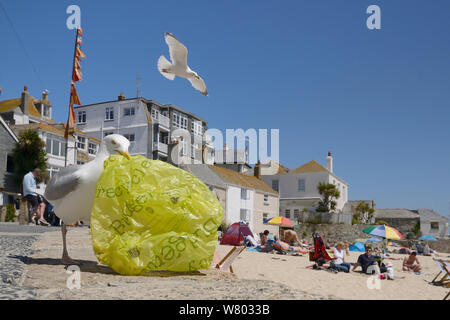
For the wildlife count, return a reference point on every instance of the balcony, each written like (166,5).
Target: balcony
(163,121)
(161,147)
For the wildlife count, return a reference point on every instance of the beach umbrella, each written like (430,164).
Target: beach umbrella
(384,232)
(282,222)
(235,234)
(427,238)
(358,246)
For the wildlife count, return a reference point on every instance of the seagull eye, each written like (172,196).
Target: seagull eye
(113,142)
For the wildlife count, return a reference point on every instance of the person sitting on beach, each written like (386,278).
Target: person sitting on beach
(411,263)
(426,250)
(339,262)
(290,237)
(346,247)
(365,260)
(264,237)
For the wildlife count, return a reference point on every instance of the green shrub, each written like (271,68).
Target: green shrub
(380,222)
(10,216)
(314,220)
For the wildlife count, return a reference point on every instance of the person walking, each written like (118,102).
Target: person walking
(34,199)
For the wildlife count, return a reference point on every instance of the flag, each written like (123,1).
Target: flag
(70,122)
(74,96)
(76,74)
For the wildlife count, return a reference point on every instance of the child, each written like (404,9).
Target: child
(390,270)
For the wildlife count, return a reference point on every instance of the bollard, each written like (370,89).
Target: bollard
(23,214)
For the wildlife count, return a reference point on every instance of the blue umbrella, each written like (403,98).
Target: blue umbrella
(427,238)
(370,240)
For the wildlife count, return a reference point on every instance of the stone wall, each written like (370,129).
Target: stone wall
(332,232)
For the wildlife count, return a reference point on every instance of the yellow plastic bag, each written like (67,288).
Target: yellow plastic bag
(149,215)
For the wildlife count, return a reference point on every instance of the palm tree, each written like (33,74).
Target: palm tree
(329,194)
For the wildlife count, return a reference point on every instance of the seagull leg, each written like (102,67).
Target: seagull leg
(65,256)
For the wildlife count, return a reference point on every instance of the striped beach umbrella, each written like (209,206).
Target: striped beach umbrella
(282,222)
(384,232)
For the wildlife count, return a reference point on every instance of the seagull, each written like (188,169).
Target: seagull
(179,67)
(71,191)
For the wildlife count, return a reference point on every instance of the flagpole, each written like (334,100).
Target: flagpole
(70,97)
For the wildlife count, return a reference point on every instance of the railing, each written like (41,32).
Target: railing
(160,146)
(162,120)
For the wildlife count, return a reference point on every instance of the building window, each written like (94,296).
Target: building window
(301,185)
(52,171)
(107,133)
(9,163)
(55,145)
(245,214)
(275,185)
(81,143)
(155,113)
(80,162)
(265,217)
(129,111)
(109,113)
(92,148)
(287,213)
(434,225)
(266,198)
(81,117)
(130,137)
(180,120)
(197,128)
(296,214)
(245,194)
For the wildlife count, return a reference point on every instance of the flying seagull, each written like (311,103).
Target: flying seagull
(179,66)
(71,191)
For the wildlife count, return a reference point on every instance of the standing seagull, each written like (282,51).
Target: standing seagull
(72,190)
(179,66)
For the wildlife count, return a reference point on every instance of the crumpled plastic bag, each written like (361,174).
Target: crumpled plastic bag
(149,215)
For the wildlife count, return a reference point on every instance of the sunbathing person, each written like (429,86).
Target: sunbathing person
(290,237)
(411,263)
(366,260)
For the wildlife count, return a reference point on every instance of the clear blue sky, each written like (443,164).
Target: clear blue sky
(379,100)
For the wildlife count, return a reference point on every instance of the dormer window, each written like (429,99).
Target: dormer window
(46,111)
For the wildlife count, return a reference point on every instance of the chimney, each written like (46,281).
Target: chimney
(121,97)
(330,162)
(25,100)
(257,170)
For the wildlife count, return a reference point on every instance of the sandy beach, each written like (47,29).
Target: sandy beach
(257,276)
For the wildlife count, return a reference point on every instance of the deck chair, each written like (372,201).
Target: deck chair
(226,262)
(444,269)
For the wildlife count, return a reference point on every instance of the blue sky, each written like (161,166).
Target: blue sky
(379,100)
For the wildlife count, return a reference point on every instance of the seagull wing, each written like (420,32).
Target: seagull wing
(199,84)
(178,52)
(63,183)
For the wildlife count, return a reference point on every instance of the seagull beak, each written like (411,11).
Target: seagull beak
(125,154)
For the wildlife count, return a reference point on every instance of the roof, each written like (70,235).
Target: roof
(205,174)
(11,104)
(430,215)
(266,168)
(312,166)
(13,135)
(39,126)
(396,214)
(240,179)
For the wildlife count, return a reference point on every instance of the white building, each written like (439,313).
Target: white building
(150,126)
(298,187)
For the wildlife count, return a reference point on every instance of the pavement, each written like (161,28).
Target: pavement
(15,246)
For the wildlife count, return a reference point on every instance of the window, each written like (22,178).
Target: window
(130,137)
(81,117)
(245,213)
(46,111)
(92,148)
(52,170)
(434,225)
(180,120)
(265,217)
(81,143)
(155,113)
(80,162)
(107,133)
(129,111)
(275,185)
(287,213)
(9,164)
(266,198)
(301,185)
(183,146)
(245,194)
(197,128)
(296,214)
(55,145)
(109,113)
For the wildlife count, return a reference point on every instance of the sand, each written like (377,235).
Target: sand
(257,276)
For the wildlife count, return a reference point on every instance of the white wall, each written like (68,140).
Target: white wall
(137,124)
(235,204)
